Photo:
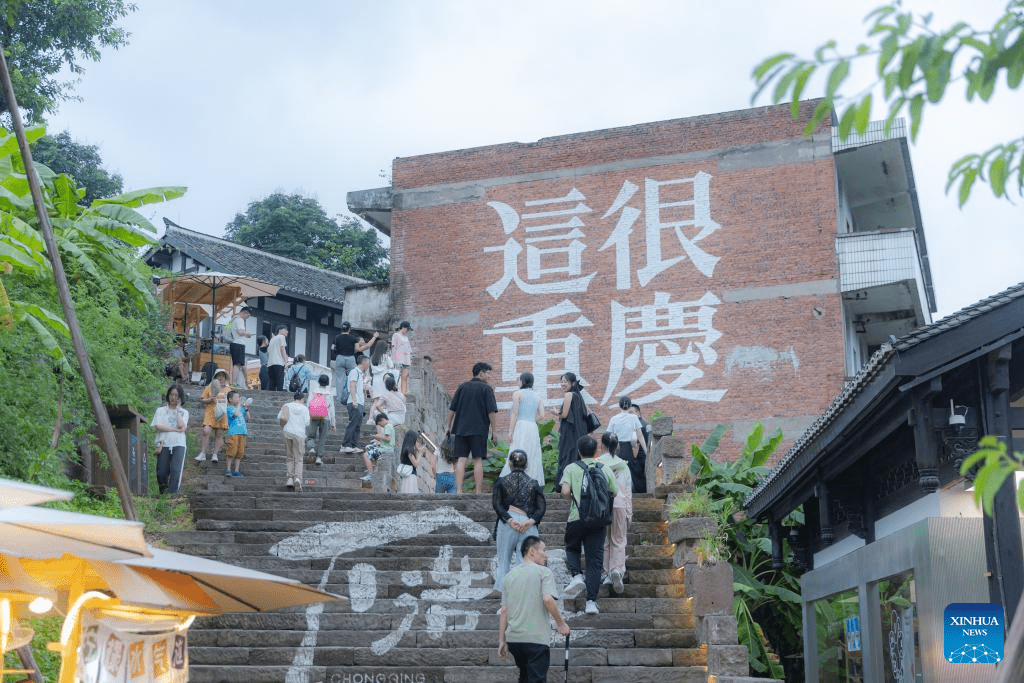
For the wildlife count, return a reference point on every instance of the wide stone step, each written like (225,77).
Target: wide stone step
(597,648)
(500,671)
(616,612)
(589,633)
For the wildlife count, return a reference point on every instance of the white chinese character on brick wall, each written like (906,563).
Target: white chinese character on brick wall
(554,247)
(542,343)
(681,205)
(668,341)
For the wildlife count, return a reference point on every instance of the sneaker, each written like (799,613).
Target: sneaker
(346,449)
(575,585)
(616,577)
(201,457)
(319,460)
(290,484)
(606,580)
(227,473)
(591,608)
(367,477)
(237,474)
(214,458)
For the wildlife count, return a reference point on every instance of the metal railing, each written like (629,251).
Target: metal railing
(874,134)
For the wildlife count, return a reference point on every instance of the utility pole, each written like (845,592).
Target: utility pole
(64,294)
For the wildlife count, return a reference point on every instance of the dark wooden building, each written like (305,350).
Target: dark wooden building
(885,524)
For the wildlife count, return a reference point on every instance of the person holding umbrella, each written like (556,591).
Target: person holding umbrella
(526,602)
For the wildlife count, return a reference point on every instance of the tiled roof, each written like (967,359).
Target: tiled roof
(791,460)
(290,275)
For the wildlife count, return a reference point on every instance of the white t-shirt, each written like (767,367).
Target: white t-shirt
(355,374)
(237,332)
(297,416)
(169,418)
(625,426)
(276,351)
(443,466)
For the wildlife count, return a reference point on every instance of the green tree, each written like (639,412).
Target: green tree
(354,250)
(298,228)
(914,65)
(43,401)
(82,162)
(42,38)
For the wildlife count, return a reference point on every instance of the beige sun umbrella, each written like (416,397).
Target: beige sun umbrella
(230,588)
(218,290)
(42,533)
(17,493)
(215,289)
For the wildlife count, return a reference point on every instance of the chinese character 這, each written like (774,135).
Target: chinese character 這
(554,250)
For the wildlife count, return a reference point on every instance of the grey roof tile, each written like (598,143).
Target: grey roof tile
(290,275)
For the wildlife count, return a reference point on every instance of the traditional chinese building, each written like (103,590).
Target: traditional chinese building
(888,529)
(310,300)
(720,268)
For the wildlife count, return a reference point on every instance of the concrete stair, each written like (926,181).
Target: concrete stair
(418,572)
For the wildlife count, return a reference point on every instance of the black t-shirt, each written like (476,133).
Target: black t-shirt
(345,345)
(473,403)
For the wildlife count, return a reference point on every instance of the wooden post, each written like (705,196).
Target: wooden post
(64,294)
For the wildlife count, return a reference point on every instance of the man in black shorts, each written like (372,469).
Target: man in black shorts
(471,421)
(236,335)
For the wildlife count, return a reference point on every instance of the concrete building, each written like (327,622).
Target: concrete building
(720,268)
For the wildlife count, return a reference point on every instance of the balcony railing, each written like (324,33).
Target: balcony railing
(875,133)
(870,259)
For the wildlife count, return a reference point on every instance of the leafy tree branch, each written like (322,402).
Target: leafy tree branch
(915,64)
(43,37)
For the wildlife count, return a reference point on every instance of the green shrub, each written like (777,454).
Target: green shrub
(696,504)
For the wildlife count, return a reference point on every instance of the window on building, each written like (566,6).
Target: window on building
(840,656)
(901,649)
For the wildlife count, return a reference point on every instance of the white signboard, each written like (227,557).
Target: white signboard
(110,651)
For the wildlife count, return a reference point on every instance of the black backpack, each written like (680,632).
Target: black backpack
(595,503)
(296,382)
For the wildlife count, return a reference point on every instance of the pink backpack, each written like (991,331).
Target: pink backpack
(318,406)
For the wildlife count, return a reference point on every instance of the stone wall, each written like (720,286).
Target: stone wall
(688,263)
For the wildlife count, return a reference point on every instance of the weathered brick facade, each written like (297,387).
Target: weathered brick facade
(743,321)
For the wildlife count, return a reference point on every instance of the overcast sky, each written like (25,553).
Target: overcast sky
(237,99)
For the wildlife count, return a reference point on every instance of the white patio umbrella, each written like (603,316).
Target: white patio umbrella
(231,588)
(17,493)
(41,533)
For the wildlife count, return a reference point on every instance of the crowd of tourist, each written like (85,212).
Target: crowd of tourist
(372,383)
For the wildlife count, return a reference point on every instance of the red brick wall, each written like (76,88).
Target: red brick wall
(777,229)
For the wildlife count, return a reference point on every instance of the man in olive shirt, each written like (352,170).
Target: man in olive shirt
(526,602)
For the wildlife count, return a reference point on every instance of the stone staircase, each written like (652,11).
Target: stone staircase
(418,574)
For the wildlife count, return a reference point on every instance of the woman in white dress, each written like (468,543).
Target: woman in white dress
(527,411)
